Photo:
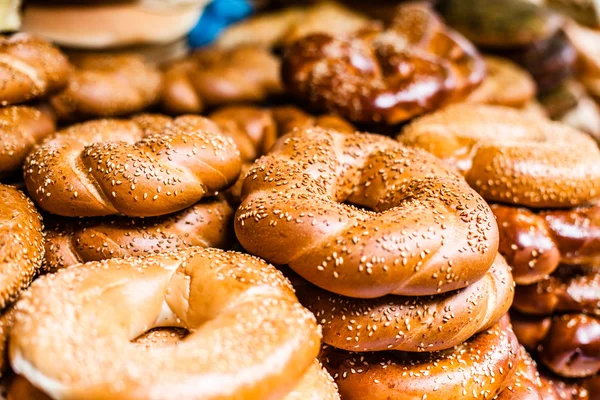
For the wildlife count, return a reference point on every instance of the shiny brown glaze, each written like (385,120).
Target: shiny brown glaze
(534,244)
(480,368)
(414,66)
(525,384)
(569,289)
(363,216)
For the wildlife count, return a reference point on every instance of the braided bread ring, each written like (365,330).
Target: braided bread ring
(512,157)
(147,166)
(205,224)
(525,384)
(30,67)
(424,323)
(477,369)
(21,243)
(249,337)
(425,231)
(21,128)
(108,86)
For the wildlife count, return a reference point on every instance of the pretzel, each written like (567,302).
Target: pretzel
(568,344)
(214,77)
(21,243)
(477,369)
(413,67)
(424,323)
(30,67)
(146,166)
(421,229)
(205,224)
(534,244)
(570,289)
(511,157)
(249,337)
(108,86)
(21,128)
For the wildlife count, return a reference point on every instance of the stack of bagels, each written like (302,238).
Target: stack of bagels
(322,205)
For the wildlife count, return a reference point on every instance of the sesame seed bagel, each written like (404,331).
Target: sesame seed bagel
(22,127)
(362,216)
(534,244)
(108,86)
(7,319)
(316,384)
(569,344)
(525,384)
(512,157)
(205,224)
(30,67)
(21,243)
(249,337)
(424,323)
(569,289)
(143,167)
(477,369)
(213,77)
(414,66)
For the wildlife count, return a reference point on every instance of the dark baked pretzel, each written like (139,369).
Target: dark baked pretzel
(570,289)
(249,336)
(362,216)
(214,77)
(30,67)
(568,344)
(388,76)
(20,128)
(534,244)
(205,224)
(146,166)
(512,157)
(108,86)
(479,368)
(21,243)
(423,323)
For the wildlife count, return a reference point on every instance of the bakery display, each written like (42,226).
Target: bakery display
(300,200)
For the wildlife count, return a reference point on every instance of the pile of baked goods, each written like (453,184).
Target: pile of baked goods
(398,200)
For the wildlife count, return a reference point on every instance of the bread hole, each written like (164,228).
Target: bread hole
(161,337)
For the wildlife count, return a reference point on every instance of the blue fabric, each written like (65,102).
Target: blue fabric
(217,16)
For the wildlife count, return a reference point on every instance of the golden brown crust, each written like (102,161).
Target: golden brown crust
(21,243)
(362,216)
(316,384)
(506,84)
(364,77)
(108,86)
(7,319)
(512,157)
(525,384)
(147,166)
(424,323)
(214,77)
(30,68)
(22,128)
(249,337)
(205,224)
(477,369)
(568,344)
(569,289)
